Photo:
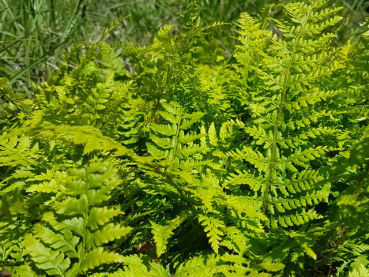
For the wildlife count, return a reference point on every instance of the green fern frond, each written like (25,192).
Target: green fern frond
(17,150)
(53,263)
(136,266)
(176,146)
(198,266)
(108,233)
(97,257)
(285,109)
(70,240)
(162,233)
(214,229)
(66,243)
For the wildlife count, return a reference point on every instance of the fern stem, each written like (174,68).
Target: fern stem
(170,180)
(246,74)
(273,159)
(176,143)
(85,218)
(162,90)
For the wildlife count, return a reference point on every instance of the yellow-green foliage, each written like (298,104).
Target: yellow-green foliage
(177,160)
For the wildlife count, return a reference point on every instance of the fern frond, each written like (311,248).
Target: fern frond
(136,266)
(198,266)
(162,233)
(70,240)
(17,150)
(66,243)
(110,232)
(53,263)
(101,215)
(97,257)
(213,228)
(287,116)
(176,146)
(296,219)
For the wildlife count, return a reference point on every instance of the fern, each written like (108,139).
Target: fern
(284,123)
(176,146)
(287,90)
(179,159)
(79,224)
(345,241)
(163,233)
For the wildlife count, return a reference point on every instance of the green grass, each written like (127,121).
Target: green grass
(34,33)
